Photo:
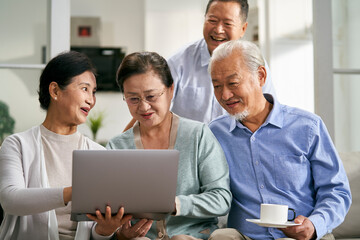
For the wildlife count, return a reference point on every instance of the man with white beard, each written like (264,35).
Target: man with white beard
(276,154)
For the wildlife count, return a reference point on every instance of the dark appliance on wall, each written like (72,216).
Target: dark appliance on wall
(106,61)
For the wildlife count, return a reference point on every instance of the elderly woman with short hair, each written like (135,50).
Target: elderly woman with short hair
(203,177)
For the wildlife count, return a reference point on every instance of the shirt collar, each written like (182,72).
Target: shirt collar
(275,116)
(205,55)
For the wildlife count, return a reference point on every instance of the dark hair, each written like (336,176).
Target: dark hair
(61,69)
(244,7)
(143,62)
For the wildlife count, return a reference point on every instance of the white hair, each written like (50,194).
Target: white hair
(250,53)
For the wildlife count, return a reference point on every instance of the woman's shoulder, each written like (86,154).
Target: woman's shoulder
(29,132)
(124,135)
(27,140)
(27,135)
(122,140)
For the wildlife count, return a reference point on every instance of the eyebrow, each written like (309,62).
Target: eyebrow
(214,80)
(234,75)
(146,91)
(229,20)
(84,83)
(212,16)
(225,20)
(87,84)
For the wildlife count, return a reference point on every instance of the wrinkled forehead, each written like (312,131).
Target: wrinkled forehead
(230,74)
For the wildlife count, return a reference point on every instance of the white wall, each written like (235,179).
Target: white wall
(346,87)
(291,52)
(170,24)
(23,34)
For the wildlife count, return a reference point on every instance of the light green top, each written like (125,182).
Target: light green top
(203,179)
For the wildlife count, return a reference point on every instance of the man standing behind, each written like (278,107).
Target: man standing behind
(276,153)
(225,20)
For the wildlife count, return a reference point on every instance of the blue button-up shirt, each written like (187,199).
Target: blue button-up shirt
(289,160)
(193,90)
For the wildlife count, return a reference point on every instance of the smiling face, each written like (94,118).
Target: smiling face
(75,101)
(223,23)
(147,86)
(237,90)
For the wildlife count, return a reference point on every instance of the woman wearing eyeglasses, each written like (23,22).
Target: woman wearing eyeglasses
(203,191)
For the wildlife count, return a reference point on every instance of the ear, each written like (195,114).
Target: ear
(243,29)
(54,90)
(262,75)
(172,90)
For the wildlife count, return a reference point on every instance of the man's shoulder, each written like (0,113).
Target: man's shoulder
(223,120)
(300,114)
(187,51)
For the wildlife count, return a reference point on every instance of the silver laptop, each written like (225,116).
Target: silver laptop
(142,181)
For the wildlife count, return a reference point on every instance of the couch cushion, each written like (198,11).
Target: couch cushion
(350,228)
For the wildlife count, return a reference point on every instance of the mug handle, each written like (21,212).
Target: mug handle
(292,219)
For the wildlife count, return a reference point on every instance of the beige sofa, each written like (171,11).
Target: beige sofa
(350,228)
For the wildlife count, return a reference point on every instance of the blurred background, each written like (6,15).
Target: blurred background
(311,47)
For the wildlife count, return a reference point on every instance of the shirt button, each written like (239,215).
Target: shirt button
(252,139)
(257,163)
(262,186)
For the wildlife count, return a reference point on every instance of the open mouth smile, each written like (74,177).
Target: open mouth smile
(147,115)
(231,104)
(218,39)
(85,110)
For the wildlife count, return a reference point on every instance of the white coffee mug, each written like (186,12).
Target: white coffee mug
(275,213)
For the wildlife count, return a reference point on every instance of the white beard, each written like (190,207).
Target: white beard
(241,116)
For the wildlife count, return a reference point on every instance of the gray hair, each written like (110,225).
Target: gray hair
(251,54)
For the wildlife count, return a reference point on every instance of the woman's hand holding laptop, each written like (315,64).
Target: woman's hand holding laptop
(108,224)
(139,229)
(67,193)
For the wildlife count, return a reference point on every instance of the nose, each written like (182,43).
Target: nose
(226,94)
(144,106)
(91,100)
(219,28)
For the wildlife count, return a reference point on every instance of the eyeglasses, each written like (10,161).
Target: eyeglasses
(151,98)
